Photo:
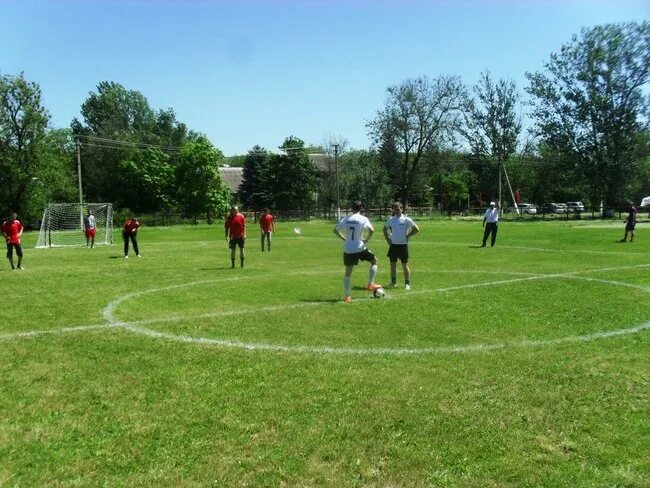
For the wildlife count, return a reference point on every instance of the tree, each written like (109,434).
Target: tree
(56,174)
(453,186)
(589,104)
(200,188)
(147,181)
(256,188)
(113,113)
(292,177)
(492,126)
(23,122)
(331,151)
(117,125)
(418,114)
(364,178)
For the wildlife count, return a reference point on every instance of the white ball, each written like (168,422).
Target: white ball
(379,293)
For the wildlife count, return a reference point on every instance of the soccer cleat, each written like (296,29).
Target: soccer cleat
(126,257)
(20,266)
(139,256)
(392,285)
(373,286)
(347,299)
(407,286)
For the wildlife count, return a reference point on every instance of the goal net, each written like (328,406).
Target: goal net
(63,224)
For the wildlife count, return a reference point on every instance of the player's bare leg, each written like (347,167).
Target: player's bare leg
(407,276)
(393,274)
(347,284)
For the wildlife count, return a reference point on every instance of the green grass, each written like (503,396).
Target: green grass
(490,372)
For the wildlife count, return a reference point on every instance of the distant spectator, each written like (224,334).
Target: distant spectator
(630,222)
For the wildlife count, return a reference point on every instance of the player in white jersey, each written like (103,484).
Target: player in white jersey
(356,230)
(397,231)
(90,229)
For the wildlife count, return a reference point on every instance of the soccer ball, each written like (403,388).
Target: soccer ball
(379,293)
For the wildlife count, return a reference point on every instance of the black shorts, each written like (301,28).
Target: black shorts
(10,250)
(237,242)
(353,259)
(398,251)
(629,226)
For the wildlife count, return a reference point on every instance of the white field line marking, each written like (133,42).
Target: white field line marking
(252,346)
(134,326)
(62,330)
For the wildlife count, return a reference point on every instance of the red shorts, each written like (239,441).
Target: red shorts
(90,233)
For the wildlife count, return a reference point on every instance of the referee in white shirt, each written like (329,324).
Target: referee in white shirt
(491,217)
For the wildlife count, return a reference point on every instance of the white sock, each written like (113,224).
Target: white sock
(372,274)
(347,285)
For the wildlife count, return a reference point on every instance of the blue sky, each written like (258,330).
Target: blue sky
(255,72)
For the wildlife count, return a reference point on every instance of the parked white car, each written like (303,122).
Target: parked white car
(527,208)
(575,207)
(524,208)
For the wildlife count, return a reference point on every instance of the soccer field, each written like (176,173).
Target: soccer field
(526,364)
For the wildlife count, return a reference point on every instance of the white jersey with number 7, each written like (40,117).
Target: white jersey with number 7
(352,227)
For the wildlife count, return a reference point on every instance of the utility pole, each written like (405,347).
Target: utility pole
(336,169)
(81,201)
(78,145)
(500,207)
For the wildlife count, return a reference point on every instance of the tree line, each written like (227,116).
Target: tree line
(581,133)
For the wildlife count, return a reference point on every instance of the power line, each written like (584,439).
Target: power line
(120,144)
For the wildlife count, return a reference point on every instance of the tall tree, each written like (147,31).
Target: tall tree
(492,125)
(200,188)
(418,114)
(56,177)
(292,176)
(591,102)
(147,181)
(112,113)
(364,178)
(331,152)
(117,124)
(256,184)
(23,122)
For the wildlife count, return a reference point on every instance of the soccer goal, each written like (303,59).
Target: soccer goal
(63,224)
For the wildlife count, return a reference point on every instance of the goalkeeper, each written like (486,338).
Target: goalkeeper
(90,229)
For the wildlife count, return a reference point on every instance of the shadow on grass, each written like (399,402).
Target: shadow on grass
(222,268)
(323,300)
(477,247)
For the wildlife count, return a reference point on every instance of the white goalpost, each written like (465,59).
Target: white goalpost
(63,224)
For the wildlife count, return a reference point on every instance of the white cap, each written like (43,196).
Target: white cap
(492,203)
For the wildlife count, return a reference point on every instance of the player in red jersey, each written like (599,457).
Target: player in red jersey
(12,229)
(130,231)
(267,226)
(236,234)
